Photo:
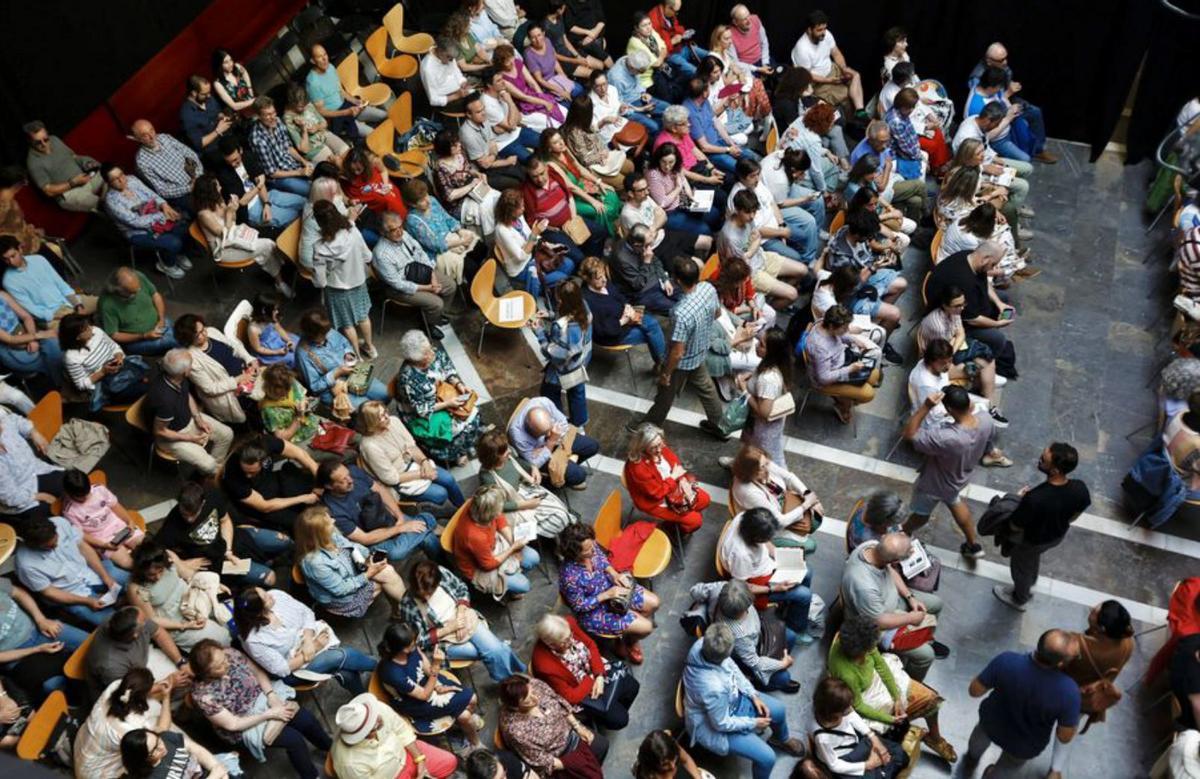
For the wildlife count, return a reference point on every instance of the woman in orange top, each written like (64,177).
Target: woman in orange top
(659,485)
(486,551)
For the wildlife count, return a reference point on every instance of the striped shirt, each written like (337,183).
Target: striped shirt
(1187,257)
(95,354)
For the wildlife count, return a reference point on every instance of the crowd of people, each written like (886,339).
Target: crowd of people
(744,217)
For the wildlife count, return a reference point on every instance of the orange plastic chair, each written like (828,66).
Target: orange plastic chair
(655,554)
(41,727)
(371,94)
(484,295)
(47,415)
(404,66)
(447,538)
(382,143)
(73,668)
(198,236)
(724,574)
(839,219)
(418,43)
(711,266)
(934,245)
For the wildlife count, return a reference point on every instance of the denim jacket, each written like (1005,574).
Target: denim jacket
(330,575)
(710,695)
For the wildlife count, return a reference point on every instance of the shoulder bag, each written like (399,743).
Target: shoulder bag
(1101,695)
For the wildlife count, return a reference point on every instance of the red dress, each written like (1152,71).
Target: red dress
(377,194)
(648,488)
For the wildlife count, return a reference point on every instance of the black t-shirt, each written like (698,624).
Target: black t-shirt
(201,539)
(223,354)
(955,271)
(1046,510)
(238,485)
(169,403)
(1185,678)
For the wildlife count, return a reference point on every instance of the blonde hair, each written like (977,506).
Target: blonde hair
(487,504)
(371,416)
(553,629)
(714,40)
(593,267)
(313,530)
(643,437)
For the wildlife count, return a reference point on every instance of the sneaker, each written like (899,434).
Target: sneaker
(1025,212)
(183,262)
(806,639)
(713,430)
(891,355)
(998,419)
(1185,305)
(170,271)
(436,333)
(580,487)
(1004,594)
(1025,234)
(282,288)
(940,650)
(792,686)
(632,425)
(370,352)
(971,551)
(1000,381)
(725,461)
(993,460)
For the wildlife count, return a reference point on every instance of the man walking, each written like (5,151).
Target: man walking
(1041,521)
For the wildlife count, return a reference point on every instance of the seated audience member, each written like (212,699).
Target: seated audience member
(566,345)
(639,273)
(100,517)
(740,238)
(880,514)
(242,175)
(266,495)
(754,645)
(550,193)
(614,321)
(539,430)
(340,260)
(587,581)
(591,135)
(418,688)
(540,725)
(872,588)
(884,695)
(610,118)
(945,322)
(59,566)
(97,367)
(457,250)
(980,129)
(444,83)
(709,133)
(825,357)
(681,47)
(748,555)
(267,340)
(462,186)
(18,331)
(659,485)
(32,281)
(326,186)
(760,482)
(900,185)
(286,410)
(368,182)
(128,640)
(348,116)
(660,756)
(159,589)
(166,164)
(283,636)
(778,235)
(843,743)
(366,513)
(985,314)
(240,701)
(231,82)
(65,177)
(1033,127)
(447,429)
(143,751)
(833,80)
(325,359)
(568,660)
(645,40)
(524,90)
(525,497)
(473,54)
(285,166)
(721,710)
(146,221)
(487,551)
(391,455)
(915,135)
(808,133)
(936,371)
(180,426)
(641,208)
(133,313)
(671,189)
(625,78)
(340,575)
(1181,439)
(131,703)
(481,143)
(696,166)
(374,741)
(966,187)
(218,217)
(33,643)
(223,374)
(515,131)
(202,120)
(12,219)
(28,483)
(748,37)
(437,606)
(17,709)
(310,131)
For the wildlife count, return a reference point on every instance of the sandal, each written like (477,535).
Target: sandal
(941,747)
(996,461)
(843,416)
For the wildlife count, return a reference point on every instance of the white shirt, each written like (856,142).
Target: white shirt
(510,247)
(602,108)
(741,561)
(495,112)
(765,215)
(440,80)
(774,177)
(98,742)
(968,129)
(633,215)
(923,382)
(1190,110)
(247,182)
(814,56)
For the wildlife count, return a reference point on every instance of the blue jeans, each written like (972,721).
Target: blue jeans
(401,546)
(444,488)
(285,208)
(576,410)
(652,119)
(649,332)
(47,360)
(694,222)
(169,245)
(527,140)
(794,604)
(518,583)
(685,62)
(346,663)
(260,544)
(533,285)
(71,636)
(498,657)
(727,162)
(297,185)
(752,746)
(97,618)
(1032,115)
(153,347)
(1009,148)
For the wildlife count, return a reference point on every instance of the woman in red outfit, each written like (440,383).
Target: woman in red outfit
(367,182)
(568,660)
(659,485)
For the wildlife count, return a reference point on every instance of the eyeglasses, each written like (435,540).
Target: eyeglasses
(640,190)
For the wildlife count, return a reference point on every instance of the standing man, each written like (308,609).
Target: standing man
(1043,518)
(951,452)
(348,116)
(833,80)
(168,166)
(691,328)
(750,39)
(284,166)
(996,56)
(65,177)
(1030,697)
(202,119)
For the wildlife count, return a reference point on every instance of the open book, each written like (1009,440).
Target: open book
(1004,179)
(917,561)
(511,309)
(525,531)
(240,568)
(789,565)
(702,200)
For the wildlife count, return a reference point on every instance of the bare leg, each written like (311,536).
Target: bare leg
(856,92)
(987,379)
(466,721)
(888,317)
(895,289)
(962,516)
(914,523)
(364,329)
(352,336)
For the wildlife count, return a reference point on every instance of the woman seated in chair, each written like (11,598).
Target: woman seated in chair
(825,352)
(160,588)
(760,482)
(224,375)
(285,637)
(419,690)
(287,411)
(525,497)
(462,186)
(438,606)
(325,359)
(309,130)
(844,286)
(367,182)
(748,554)
(217,216)
(457,250)
(591,147)
(659,485)
(146,220)
(392,456)
(97,367)
(671,189)
(568,660)
(984,223)
(605,602)
(843,745)
(143,751)
(541,60)
(341,577)
(486,549)
(100,517)
(540,726)
(523,89)
(614,321)
(761,648)
(895,228)
(884,695)
(434,402)
(130,703)
(880,514)
(517,248)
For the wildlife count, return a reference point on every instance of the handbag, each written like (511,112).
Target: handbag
(446,391)
(332,437)
(548,256)
(682,498)
(577,230)
(1101,695)
(240,237)
(372,515)
(572,379)
(418,273)
(782,406)
(734,417)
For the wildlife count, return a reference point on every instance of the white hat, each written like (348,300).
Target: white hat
(357,718)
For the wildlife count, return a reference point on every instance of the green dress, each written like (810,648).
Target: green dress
(441,436)
(280,414)
(610,199)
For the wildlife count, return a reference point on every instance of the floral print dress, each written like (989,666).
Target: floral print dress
(581,590)
(280,414)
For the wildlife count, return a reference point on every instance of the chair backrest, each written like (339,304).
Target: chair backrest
(375,687)
(347,71)
(679,699)
(41,727)
(73,668)
(925,291)
(498,739)
(297,574)
(376,47)
(135,416)
(516,413)
(448,534)
(724,574)
(839,219)
(934,246)
(710,267)
(380,140)
(484,283)
(393,22)
(329,766)
(47,415)
(198,236)
(608,520)
(772,139)
(236,324)
(732,505)
(401,112)
(288,241)
(138,520)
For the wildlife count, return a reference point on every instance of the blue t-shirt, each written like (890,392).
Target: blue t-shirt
(324,88)
(1026,702)
(704,122)
(345,509)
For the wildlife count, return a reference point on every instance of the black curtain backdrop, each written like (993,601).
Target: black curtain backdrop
(1168,79)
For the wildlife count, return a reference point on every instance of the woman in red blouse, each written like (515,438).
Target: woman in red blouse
(367,182)
(659,485)
(568,660)
(485,550)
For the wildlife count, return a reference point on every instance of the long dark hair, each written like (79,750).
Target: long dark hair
(147,555)
(131,696)
(579,115)
(866,165)
(777,355)
(135,753)
(218,57)
(329,219)
(569,296)
(250,612)
(206,193)
(70,331)
(663,151)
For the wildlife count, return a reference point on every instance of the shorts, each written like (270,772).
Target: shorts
(923,503)
(769,272)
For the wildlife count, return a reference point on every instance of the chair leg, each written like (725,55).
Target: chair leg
(678,542)
(508,613)
(895,446)
(482,330)
(383,316)
(632,376)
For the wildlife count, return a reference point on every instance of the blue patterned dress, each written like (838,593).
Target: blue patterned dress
(581,589)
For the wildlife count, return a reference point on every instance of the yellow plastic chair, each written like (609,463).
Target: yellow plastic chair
(288,244)
(404,66)
(382,143)
(74,667)
(724,574)
(655,554)
(711,266)
(617,349)
(47,415)
(484,295)
(447,537)
(238,265)
(329,766)
(772,138)
(858,506)
(135,416)
(679,699)
(8,541)
(371,94)
(401,114)
(41,727)
(934,246)
(418,43)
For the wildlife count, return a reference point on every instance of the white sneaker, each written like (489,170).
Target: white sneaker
(1000,381)
(170,271)
(183,262)
(725,461)
(370,352)
(1190,308)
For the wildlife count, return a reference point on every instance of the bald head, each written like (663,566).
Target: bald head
(739,13)
(538,422)
(143,132)
(892,548)
(987,255)
(1056,647)
(996,55)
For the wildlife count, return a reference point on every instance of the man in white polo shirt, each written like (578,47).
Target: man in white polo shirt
(833,80)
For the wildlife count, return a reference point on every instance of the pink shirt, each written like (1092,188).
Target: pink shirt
(94,515)
(687,147)
(748,45)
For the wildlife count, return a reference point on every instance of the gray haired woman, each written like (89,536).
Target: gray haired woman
(756,639)
(446,429)
(881,513)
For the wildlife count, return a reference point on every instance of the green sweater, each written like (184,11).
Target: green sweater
(858,677)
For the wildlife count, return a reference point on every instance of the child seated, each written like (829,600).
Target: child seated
(285,406)
(269,341)
(100,517)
